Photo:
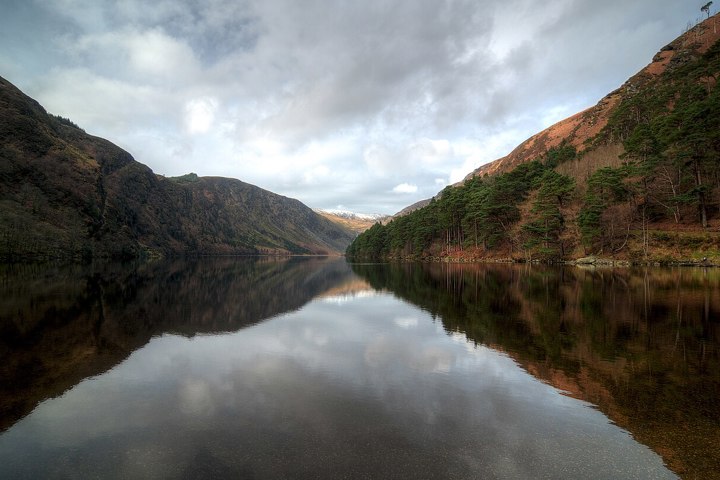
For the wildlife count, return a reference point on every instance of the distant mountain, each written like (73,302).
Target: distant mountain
(64,193)
(634,178)
(357,222)
(354,216)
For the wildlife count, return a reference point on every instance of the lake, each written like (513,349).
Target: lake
(317,368)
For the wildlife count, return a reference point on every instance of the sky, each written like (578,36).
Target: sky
(366,106)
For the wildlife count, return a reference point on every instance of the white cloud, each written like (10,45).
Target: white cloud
(141,55)
(200,114)
(155,53)
(378,159)
(431,152)
(406,322)
(316,174)
(103,105)
(405,188)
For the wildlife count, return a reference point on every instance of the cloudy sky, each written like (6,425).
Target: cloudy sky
(365,105)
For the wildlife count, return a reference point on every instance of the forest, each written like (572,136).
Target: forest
(657,203)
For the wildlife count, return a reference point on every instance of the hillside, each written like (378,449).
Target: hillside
(67,194)
(357,223)
(583,129)
(634,178)
(411,208)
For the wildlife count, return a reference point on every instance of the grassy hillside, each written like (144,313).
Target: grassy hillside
(67,194)
(635,178)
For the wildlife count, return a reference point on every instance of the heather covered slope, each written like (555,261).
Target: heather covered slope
(64,193)
(635,178)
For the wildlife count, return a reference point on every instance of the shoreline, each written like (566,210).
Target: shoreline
(590,261)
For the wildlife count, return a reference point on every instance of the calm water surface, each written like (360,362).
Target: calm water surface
(314,368)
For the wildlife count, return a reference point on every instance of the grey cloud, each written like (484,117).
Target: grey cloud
(379,59)
(287,76)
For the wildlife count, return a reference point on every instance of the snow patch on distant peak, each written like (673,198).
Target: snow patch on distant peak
(352,215)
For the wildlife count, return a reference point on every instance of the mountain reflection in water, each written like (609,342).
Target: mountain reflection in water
(318,370)
(59,325)
(640,344)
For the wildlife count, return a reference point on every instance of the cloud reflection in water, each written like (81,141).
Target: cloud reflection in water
(367,386)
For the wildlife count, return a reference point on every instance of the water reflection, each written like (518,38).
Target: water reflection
(458,378)
(366,387)
(641,344)
(59,325)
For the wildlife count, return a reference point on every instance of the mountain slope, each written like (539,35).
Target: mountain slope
(582,128)
(64,193)
(634,178)
(411,208)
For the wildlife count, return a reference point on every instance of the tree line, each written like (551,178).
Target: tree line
(669,174)
(482,213)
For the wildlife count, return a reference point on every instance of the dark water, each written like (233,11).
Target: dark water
(313,368)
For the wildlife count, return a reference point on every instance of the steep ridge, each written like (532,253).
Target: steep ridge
(636,178)
(582,128)
(64,193)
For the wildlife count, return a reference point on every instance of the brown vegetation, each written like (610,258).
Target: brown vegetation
(67,194)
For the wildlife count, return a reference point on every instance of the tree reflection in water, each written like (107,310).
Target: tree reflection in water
(59,325)
(641,344)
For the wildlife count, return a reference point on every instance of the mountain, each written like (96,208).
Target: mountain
(360,222)
(356,222)
(583,130)
(354,216)
(64,193)
(636,178)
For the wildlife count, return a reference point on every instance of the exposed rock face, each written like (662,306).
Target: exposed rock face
(64,193)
